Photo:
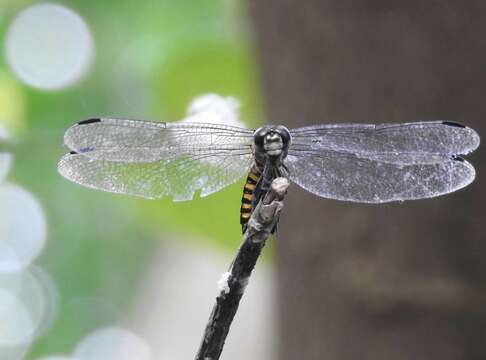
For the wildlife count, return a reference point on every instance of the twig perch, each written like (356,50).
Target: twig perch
(260,226)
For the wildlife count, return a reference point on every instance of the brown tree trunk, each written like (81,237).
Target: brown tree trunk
(393,281)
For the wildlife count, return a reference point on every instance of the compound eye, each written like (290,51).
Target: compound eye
(259,136)
(284,133)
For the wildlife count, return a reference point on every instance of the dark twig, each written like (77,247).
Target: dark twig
(233,283)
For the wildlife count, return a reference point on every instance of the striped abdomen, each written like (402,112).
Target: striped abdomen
(247,198)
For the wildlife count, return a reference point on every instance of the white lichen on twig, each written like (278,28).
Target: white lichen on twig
(223,282)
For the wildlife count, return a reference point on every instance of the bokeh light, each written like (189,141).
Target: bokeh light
(17,326)
(49,46)
(28,296)
(27,301)
(215,109)
(112,344)
(22,229)
(43,301)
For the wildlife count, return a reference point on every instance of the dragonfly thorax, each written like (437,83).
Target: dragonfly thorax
(271,142)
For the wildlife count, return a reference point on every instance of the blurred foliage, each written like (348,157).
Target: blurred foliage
(151,59)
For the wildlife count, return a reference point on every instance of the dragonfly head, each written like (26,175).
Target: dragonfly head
(272,140)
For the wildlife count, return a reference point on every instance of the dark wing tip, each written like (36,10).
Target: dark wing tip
(457,158)
(452,123)
(88,121)
(72,152)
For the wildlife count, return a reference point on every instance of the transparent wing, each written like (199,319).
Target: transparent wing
(346,176)
(407,143)
(380,163)
(153,160)
(144,141)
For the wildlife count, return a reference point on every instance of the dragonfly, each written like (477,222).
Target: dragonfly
(364,163)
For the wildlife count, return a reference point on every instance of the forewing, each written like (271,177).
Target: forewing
(408,143)
(346,176)
(154,160)
(145,141)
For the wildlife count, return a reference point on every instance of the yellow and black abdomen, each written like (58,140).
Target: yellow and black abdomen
(247,198)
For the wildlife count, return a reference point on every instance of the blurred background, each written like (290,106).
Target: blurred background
(89,275)
(93,275)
